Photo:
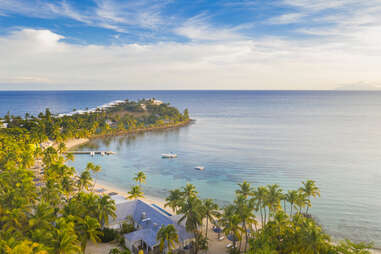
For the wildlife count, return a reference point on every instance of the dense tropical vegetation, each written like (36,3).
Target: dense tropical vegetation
(262,220)
(45,207)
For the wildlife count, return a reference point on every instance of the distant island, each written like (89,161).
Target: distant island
(116,118)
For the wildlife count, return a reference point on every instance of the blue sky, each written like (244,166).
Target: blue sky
(169,44)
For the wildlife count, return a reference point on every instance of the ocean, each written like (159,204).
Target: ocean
(263,137)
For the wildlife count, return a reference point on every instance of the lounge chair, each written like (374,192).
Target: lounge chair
(221,238)
(229,245)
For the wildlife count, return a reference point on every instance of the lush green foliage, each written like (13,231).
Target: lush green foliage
(51,209)
(261,220)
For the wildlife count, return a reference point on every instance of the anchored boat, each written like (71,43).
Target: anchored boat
(200,168)
(168,155)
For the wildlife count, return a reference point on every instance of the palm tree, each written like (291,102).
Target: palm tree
(210,212)
(260,197)
(301,201)
(310,189)
(245,211)
(230,222)
(140,177)
(61,148)
(273,198)
(88,230)
(191,210)
(167,235)
(135,192)
(84,180)
(174,199)
(95,169)
(291,197)
(64,240)
(245,189)
(42,217)
(189,191)
(69,157)
(105,209)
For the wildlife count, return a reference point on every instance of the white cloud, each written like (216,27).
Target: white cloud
(111,14)
(41,57)
(288,18)
(199,28)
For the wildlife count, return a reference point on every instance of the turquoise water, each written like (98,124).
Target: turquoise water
(267,137)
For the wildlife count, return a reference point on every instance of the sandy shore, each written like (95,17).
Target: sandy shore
(70,144)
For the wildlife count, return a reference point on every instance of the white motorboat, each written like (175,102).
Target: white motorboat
(200,168)
(168,155)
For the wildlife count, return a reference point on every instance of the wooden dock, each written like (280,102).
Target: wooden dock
(92,152)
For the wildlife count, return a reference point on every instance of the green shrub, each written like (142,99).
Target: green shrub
(109,235)
(127,228)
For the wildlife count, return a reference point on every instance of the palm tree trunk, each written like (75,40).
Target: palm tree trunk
(292,204)
(260,209)
(207,222)
(265,217)
(245,236)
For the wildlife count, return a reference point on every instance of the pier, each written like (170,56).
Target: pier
(92,152)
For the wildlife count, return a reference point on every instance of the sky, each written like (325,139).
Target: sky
(189,44)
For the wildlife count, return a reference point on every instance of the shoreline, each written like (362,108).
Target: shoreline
(142,130)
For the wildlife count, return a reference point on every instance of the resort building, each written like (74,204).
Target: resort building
(2,124)
(147,219)
(156,102)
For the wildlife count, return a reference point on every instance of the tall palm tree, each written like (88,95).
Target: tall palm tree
(245,189)
(95,169)
(260,197)
(42,216)
(64,240)
(88,230)
(174,199)
(210,212)
(84,181)
(310,189)
(230,222)
(167,235)
(302,201)
(189,191)
(140,177)
(245,211)
(191,211)
(273,198)
(135,192)
(291,197)
(105,209)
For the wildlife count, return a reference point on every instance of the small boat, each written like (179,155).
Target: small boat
(168,155)
(200,168)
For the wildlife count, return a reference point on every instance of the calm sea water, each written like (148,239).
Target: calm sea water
(263,137)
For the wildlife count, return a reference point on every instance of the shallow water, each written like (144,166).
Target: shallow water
(262,137)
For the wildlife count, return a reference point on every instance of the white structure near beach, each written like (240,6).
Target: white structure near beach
(2,124)
(148,219)
(156,102)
